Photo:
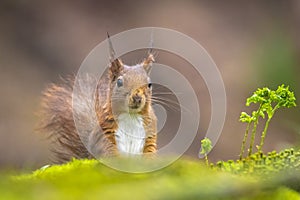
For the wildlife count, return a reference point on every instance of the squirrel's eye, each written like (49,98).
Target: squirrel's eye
(149,85)
(119,82)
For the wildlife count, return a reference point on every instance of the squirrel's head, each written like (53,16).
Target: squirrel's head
(131,87)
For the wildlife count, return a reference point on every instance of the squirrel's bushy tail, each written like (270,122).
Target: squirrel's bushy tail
(60,110)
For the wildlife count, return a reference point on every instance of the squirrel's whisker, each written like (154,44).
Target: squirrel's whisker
(166,93)
(170,102)
(173,107)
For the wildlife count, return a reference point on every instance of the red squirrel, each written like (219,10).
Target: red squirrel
(126,121)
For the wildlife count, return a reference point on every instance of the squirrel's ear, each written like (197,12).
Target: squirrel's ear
(147,63)
(116,65)
(115,69)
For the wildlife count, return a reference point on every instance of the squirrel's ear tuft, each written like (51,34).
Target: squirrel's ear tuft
(147,63)
(116,65)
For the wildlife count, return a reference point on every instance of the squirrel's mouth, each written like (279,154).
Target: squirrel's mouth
(135,108)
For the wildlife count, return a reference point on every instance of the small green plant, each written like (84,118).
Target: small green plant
(269,101)
(205,148)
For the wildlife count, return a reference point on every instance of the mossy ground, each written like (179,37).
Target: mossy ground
(184,179)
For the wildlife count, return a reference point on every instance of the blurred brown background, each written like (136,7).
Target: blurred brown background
(254,43)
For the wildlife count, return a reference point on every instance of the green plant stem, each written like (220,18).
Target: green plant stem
(206,160)
(254,131)
(244,141)
(264,133)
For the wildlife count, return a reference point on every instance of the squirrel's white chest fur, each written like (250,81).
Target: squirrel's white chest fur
(130,136)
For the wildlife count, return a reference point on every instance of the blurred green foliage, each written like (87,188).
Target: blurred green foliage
(277,60)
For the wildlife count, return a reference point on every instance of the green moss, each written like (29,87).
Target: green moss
(259,164)
(185,179)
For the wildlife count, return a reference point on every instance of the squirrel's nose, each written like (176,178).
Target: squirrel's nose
(137,99)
